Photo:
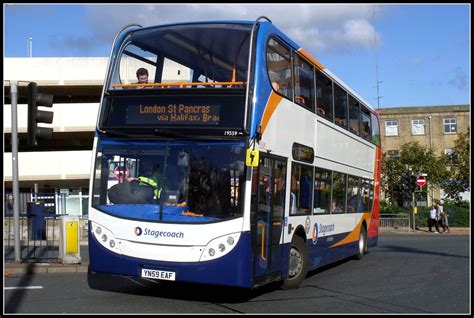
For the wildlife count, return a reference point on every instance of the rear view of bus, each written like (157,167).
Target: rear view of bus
(168,178)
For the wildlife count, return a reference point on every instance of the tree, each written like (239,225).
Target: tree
(459,169)
(416,158)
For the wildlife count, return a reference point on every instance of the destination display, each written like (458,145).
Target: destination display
(173,114)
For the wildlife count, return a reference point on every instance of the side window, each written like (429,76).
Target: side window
(324,95)
(279,68)
(322,191)
(301,189)
(365,188)
(353,194)
(338,192)
(375,129)
(365,127)
(340,106)
(304,83)
(354,115)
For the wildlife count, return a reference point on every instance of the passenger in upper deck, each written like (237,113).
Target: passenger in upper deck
(142,77)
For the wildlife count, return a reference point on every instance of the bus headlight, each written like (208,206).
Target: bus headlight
(105,237)
(220,246)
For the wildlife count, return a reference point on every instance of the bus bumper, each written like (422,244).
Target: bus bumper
(233,269)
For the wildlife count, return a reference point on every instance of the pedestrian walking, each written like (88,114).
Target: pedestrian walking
(443,218)
(439,215)
(432,220)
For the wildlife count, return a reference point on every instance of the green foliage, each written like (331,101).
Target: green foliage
(459,168)
(458,213)
(393,209)
(418,159)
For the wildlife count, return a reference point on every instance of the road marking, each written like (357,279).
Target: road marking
(24,287)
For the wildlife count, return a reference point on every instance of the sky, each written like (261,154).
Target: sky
(421,52)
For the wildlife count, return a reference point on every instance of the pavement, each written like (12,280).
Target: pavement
(28,268)
(13,268)
(424,230)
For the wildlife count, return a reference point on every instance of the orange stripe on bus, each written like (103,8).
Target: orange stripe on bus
(272,104)
(312,59)
(354,234)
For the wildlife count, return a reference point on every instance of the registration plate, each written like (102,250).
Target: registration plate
(157,274)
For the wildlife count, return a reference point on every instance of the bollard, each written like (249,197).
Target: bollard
(69,238)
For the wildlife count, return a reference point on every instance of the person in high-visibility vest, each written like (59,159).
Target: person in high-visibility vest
(150,178)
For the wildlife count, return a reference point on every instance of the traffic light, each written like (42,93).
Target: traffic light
(405,185)
(413,185)
(36,116)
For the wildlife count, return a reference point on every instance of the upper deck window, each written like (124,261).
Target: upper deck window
(279,68)
(354,114)
(340,106)
(324,95)
(304,83)
(184,56)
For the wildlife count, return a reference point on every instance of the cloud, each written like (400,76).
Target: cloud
(315,27)
(459,79)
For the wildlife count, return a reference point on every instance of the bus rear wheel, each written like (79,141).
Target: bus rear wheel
(298,264)
(362,246)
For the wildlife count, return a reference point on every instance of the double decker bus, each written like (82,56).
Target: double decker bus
(268,165)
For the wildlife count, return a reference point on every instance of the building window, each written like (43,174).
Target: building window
(391,128)
(448,151)
(450,125)
(418,127)
(393,153)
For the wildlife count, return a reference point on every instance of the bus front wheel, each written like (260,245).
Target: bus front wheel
(298,265)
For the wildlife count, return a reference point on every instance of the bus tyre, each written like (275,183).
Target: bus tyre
(362,245)
(298,264)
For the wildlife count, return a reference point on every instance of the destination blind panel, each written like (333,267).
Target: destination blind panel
(174,112)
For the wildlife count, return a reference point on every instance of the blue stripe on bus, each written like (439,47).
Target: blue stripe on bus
(107,142)
(234,269)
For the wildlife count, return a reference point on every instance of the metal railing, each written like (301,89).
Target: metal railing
(395,221)
(38,242)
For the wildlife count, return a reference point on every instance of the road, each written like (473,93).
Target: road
(405,273)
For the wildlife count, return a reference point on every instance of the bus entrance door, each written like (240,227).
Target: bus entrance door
(268,206)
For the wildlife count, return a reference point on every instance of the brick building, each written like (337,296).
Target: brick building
(435,127)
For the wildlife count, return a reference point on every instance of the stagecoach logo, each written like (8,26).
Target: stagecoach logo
(138,231)
(314,237)
(321,230)
(307,225)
